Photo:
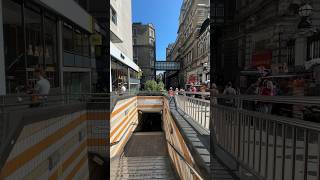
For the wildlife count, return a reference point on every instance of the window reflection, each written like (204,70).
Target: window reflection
(34,39)
(13,46)
(37,47)
(50,52)
(67,38)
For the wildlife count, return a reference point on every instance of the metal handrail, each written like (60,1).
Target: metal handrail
(197,109)
(279,99)
(184,160)
(248,136)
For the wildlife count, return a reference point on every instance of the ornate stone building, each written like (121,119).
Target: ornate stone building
(144,53)
(263,37)
(185,50)
(202,61)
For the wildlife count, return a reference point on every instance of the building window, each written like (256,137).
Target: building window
(76,45)
(113,15)
(68,44)
(151,41)
(291,52)
(151,54)
(41,45)
(151,34)
(50,52)
(134,31)
(13,45)
(313,47)
(34,39)
(119,74)
(86,45)
(77,42)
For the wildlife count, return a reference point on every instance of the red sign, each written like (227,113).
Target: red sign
(192,79)
(262,59)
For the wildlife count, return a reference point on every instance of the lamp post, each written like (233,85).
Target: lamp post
(205,70)
(304,12)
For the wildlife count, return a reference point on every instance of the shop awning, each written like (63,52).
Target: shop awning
(120,56)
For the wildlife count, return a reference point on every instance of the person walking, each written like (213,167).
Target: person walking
(267,90)
(229,91)
(203,90)
(214,94)
(171,94)
(177,91)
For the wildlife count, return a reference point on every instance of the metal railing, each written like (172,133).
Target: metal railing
(24,101)
(267,145)
(193,171)
(197,109)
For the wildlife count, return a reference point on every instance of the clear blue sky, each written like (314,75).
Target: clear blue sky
(164,15)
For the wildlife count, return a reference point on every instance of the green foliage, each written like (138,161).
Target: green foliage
(160,86)
(152,85)
(139,74)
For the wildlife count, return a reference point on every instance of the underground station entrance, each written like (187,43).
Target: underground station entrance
(145,155)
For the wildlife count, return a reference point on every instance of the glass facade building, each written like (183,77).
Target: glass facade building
(37,36)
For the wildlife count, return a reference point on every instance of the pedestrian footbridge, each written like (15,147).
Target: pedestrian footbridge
(151,136)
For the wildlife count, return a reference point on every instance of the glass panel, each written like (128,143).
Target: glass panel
(241,137)
(279,152)
(313,156)
(86,46)
(270,154)
(300,150)
(257,145)
(77,42)
(50,35)
(13,47)
(77,82)
(68,44)
(263,149)
(251,142)
(34,39)
(288,153)
(246,140)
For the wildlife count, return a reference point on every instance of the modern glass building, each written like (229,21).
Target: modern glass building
(55,35)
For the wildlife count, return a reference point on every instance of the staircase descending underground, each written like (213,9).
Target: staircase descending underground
(145,157)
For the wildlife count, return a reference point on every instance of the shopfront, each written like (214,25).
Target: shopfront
(31,40)
(124,72)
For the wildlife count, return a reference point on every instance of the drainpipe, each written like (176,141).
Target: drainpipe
(2,60)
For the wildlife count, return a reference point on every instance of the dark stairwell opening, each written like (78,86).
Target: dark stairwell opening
(145,155)
(148,138)
(149,122)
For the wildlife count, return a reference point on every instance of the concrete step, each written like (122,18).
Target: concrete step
(143,167)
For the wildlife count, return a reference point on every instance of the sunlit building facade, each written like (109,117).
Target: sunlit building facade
(124,71)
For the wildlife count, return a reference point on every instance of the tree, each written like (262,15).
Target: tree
(160,86)
(151,85)
(139,74)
